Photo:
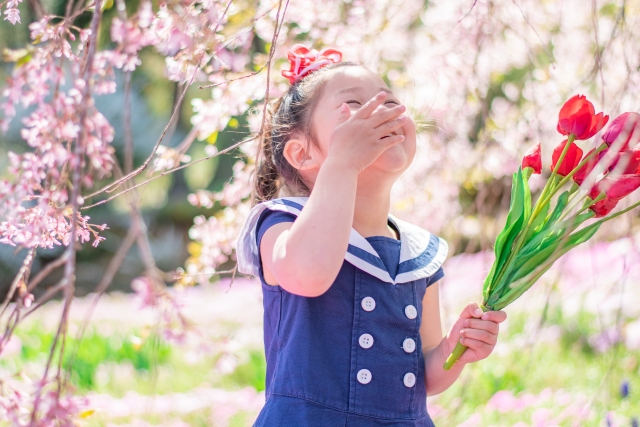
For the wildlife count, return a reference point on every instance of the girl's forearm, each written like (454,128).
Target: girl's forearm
(437,379)
(314,248)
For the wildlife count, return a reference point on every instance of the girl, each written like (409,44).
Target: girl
(352,327)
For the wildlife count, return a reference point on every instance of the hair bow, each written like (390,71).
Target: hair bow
(303,61)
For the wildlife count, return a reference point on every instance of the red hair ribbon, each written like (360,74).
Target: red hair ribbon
(304,61)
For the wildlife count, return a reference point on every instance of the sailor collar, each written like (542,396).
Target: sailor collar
(421,253)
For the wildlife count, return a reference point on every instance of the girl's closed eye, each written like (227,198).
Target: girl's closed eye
(359,103)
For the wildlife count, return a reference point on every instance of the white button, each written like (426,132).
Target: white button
(411,311)
(409,345)
(409,379)
(364,376)
(368,304)
(366,341)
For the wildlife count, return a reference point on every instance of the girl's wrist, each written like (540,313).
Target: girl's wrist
(339,166)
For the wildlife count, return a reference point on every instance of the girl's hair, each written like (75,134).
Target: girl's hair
(285,116)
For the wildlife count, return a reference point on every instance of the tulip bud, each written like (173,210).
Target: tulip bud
(533,159)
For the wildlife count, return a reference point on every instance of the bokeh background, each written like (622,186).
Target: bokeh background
(485,79)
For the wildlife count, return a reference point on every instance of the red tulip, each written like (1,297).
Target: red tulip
(570,161)
(586,169)
(627,124)
(631,158)
(533,159)
(577,116)
(603,207)
(615,188)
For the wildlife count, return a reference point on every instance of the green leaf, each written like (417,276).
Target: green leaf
(561,204)
(536,224)
(513,226)
(520,286)
(545,231)
(526,197)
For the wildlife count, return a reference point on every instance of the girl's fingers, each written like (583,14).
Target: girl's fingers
(470,311)
(495,316)
(480,335)
(381,117)
(390,126)
(478,346)
(393,140)
(368,108)
(487,325)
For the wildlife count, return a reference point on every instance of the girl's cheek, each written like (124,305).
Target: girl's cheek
(409,127)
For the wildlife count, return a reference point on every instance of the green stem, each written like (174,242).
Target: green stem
(588,202)
(605,219)
(539,203)
(459,349)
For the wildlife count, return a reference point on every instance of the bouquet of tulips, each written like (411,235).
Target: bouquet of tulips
(589,187)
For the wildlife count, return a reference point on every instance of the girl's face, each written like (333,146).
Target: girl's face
(355,86)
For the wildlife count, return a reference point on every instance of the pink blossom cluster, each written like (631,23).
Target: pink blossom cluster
(216,236)
(50,130)
(227,100)
(132,35)
(48,76)
(174,326)
(54,409)
(11,12)
(189,35)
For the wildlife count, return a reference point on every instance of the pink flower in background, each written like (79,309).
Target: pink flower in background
(144,289)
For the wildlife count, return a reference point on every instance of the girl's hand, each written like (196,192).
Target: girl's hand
(476,330)
(359,139)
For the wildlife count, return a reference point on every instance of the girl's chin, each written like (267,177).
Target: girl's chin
(394,159)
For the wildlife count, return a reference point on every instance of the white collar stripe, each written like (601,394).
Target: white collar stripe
(366,256)
(424,258)
(368,268)
(429,269)
(421,253)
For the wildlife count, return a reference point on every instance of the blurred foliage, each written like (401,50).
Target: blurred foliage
(144,354)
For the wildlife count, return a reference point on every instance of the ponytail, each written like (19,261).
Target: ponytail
(266,184)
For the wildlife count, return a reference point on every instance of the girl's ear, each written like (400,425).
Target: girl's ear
(298,155)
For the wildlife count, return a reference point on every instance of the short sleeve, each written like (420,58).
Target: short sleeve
(269,218)
(436,276)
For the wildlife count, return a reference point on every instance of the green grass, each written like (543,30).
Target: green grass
(569,363)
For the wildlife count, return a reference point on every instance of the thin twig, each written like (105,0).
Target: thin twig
(463,17)
(544,46)
(26,265)
(168,172)
(46,270)
(142,167)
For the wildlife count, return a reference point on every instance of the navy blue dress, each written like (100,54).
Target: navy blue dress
(351,356)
